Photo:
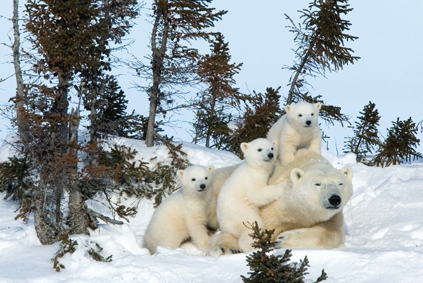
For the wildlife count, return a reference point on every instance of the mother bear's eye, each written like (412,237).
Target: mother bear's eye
(193,179)
(318,184)
(340,183)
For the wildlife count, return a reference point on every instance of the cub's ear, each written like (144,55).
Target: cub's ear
(347,172)
(288,108)
(244,147)
(275,143)
(318,106)
(180,174)
(296,175)
(210,168)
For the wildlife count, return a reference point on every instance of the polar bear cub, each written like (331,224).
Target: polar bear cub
(299,128)
(183,214)
(246,190)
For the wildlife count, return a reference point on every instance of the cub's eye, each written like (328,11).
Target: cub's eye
(193,179)
(206,178)
(259,149)
(312,114)
(318,184)
(271,148)
(300,115)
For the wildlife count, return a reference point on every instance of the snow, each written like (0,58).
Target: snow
(384,241)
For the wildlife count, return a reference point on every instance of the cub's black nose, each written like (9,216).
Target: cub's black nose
(335,200)
(308,123)
(202,186)
(270,155)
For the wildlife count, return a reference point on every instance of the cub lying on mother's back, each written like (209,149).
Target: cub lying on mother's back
(299,128)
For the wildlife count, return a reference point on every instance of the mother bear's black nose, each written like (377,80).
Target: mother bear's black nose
(270,155)
(335,200)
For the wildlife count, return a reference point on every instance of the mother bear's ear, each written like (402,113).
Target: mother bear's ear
(296,175)
(347,172)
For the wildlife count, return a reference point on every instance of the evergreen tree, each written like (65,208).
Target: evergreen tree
(366,135)
(106,104)
(261,112)
(71,40)
(173,62)
(399,145)
(320,48)
(265,266)
(63,34)
(214,105)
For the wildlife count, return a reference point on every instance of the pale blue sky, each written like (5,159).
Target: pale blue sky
(390,45)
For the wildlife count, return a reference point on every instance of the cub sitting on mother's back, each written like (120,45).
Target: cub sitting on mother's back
(299,128)
(183,214)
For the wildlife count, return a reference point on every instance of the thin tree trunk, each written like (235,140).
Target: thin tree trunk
(290,97)
(158,54)
(21,122)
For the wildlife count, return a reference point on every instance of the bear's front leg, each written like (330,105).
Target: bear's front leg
(316,144)
(316,237)
(199,235)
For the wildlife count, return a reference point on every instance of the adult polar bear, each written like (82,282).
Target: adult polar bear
(299,128)
(309,212)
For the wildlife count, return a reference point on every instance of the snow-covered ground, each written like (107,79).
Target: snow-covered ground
(384,240)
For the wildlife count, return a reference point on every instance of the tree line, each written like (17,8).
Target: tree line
(70,86)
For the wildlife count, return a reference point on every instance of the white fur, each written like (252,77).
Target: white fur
(246,190)
(309,212)
(303,216)
(183,214)
(299,128)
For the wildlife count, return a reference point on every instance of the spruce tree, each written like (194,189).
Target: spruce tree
(320,48)
(217,101)
(266,266)
(71,39)
(173,61)
(399,145)
(261,111)
(63,36)
(366,135)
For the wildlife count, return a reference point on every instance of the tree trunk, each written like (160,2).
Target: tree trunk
(21,121)
(77,211)
(47,231)
(290,97)
(158,54)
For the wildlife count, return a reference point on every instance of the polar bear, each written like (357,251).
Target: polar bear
(308,214)
(183,214)
(297,129)
(246,190)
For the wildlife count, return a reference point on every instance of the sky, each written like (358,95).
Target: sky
(388,74)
